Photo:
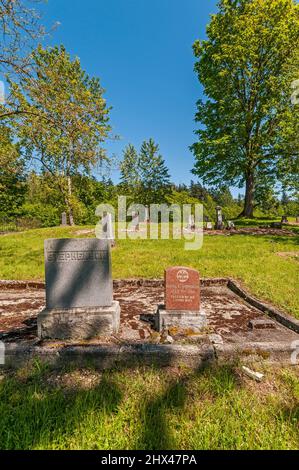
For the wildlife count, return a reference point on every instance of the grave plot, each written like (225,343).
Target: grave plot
(234,325)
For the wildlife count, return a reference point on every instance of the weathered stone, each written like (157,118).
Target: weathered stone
(79,290)
(216,339)
(79,323)
(78,273)
(182,289)
(192,321)
(261,324)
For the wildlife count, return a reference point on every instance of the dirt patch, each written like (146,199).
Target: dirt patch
(253,231)
(289,254)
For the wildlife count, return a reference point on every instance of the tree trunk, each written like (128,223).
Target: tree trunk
(249,195)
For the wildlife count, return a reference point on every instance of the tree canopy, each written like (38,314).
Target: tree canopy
(249,124)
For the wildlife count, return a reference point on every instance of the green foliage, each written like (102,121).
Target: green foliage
(154,175)
(144,176)
(247,65)
(12,181)
(130,171)
(64,118)
(44,215)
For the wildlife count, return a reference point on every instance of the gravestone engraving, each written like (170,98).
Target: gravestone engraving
(78,273)
(182,301)
(63,219)
(79,290)
(182,290)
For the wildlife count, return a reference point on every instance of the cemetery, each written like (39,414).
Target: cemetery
(81,312)
(149,228)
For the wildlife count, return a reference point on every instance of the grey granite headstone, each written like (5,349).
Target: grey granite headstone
(63,219)
(79,290)
(78,273)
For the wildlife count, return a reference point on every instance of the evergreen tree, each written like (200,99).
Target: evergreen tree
(154,174)
(129,168)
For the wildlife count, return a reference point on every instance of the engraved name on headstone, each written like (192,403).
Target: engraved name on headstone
(182,289)
(78,273)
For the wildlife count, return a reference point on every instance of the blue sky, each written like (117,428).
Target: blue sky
(142,52)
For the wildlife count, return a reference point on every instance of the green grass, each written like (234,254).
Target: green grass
(216,408)
(150,408)
(251,259)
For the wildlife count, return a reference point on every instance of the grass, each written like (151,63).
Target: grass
(216,408)
(250,259)
(150,408)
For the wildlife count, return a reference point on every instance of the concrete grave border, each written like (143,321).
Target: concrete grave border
(161,355)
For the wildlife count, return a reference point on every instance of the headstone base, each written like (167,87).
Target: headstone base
(78,323)
(186,319)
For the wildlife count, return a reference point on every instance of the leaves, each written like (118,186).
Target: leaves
(247,65)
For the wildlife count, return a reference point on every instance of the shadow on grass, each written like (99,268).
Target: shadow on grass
(131,407)
(37,413)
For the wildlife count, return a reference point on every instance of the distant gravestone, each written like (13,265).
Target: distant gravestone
(135,221)
(146,215)
(209,226)
(191,222)
(63,219)
(107,227)
(182,301)
(2,353)
(79,290)
(284,219)
(219,218)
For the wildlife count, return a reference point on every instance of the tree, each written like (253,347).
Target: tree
(64,120)
(12,181)
(130,174)
(247,66)
(154,175)
(20,28)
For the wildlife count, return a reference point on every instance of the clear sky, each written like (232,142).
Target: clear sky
(142,52)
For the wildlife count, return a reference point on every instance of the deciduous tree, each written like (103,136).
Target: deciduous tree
(248,120)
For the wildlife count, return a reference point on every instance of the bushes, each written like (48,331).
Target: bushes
(39,215)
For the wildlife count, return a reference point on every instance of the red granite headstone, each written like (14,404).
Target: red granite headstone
(182,289)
